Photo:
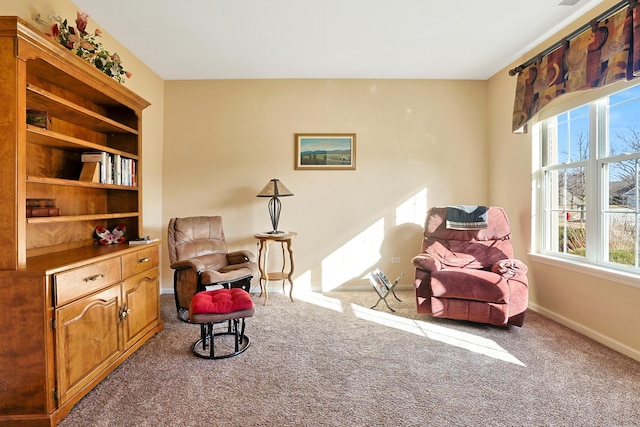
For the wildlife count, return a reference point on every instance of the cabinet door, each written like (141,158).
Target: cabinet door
(88,339)
(142,305)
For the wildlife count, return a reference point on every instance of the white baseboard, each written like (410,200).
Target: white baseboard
(597,336)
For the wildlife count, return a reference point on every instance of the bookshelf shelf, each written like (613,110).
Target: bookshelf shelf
(44,137)
(40,99)
(72,218)
(76,183)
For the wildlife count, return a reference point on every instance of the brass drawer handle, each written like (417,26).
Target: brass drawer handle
(145,259)
(94,278)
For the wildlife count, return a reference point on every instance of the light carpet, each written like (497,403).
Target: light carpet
(330,360)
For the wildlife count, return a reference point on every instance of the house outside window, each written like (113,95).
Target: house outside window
(587,176)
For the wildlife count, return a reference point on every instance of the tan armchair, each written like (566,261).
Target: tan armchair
(199,257)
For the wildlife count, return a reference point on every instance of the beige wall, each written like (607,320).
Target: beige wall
(144,82)
(604,309)
(224,140)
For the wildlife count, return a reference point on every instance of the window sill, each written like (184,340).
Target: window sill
(626,278)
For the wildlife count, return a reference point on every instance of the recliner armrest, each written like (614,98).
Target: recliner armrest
(239,257)
(426,262)
(233,267)
(509,268)
(194,263)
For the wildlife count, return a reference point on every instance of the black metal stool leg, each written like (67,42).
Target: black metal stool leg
(242,333)
(236,337)
(208,335)
(211,342)
(203,335)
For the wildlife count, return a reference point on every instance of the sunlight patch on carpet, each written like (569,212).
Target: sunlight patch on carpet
(473,343)
(322,301)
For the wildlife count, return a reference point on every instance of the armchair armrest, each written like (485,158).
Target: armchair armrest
(233,267)
(426,262)
(509,268)
(194,263)
(239,257)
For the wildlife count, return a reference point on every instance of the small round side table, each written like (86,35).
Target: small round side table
(265,239)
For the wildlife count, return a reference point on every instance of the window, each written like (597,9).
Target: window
(588,192)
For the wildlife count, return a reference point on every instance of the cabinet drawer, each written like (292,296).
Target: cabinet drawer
(139,261)
(75,283)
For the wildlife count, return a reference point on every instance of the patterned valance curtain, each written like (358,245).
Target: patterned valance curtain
(606,53)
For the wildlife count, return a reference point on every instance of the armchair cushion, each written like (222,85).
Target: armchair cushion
(225,275)
(497,226)
(218,302)
(479,254)
(194,236)
(470,284)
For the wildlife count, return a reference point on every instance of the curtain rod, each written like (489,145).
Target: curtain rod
(591,25)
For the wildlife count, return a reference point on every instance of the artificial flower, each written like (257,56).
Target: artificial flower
(81,22)
(85,44)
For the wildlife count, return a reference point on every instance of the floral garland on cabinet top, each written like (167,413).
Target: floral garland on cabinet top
(85,45)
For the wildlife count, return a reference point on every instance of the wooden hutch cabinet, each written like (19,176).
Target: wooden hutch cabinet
(70,310)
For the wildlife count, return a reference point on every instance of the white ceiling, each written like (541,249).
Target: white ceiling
(403,39)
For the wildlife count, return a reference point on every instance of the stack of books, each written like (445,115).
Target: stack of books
(42,207)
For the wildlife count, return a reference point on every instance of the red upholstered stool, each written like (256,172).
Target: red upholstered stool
(223,305)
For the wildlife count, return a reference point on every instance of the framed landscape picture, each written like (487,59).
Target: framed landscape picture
(325,151)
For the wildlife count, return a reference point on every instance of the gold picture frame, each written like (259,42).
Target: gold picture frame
(325,151)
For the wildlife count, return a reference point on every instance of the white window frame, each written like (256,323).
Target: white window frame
(594,261)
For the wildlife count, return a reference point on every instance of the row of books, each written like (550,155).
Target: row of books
(107,168)
(42,207)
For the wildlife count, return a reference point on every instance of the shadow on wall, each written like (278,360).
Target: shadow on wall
(399,246)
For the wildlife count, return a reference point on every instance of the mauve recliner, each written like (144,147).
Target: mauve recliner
(470,274)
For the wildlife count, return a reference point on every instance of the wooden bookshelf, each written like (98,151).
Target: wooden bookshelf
(57,327)
(89,112)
